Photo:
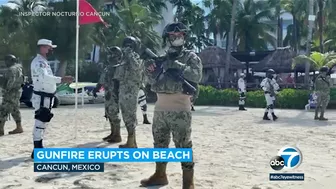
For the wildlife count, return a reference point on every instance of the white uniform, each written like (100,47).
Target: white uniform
(43,81)
(266,86)
(142,101)
(242,91)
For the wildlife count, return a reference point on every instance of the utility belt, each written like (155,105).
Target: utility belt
(44,114)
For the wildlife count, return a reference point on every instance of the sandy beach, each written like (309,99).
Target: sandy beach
(232,150)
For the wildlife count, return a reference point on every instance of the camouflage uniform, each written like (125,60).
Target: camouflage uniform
(322,88)
(12,90)
(176,122)
(129,75)
(111,88)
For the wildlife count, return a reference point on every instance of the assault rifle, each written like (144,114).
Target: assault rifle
(173,73)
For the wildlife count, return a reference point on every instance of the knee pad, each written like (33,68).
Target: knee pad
(43,114)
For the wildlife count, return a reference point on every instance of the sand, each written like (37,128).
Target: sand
(232,150)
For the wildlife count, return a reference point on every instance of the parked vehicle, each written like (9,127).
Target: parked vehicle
(65,94)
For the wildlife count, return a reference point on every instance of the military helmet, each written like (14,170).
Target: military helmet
(174,28)
(131,42)
(114,50)
(324,69)
(270,71)
(10,59)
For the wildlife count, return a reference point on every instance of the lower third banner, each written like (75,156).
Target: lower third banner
(68,167)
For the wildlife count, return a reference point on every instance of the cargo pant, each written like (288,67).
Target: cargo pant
(128,96)
(10,106)
(322,101)
(112,109)
(179,124)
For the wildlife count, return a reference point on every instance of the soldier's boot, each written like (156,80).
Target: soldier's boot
(145,119)
(316,113)
(266,116)
(112,129)
(115,137)
(37,144)
(192,108)
(241,107)
(159,178)
(322,118)
(274,117)
(2,125)
(18,129)
(131,142)
(188,179)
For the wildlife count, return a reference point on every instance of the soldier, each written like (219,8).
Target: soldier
(271,88)
(111,87)
(142,101)
(322,89)
(172,112)
(129,75)
(44,83)
(12,84)
(242,92)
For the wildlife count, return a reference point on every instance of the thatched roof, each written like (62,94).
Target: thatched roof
(215,57)
(280,61)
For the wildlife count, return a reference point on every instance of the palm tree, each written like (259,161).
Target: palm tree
(230,40)
(297,9)
(181,6)
(138,21)
(316,60)
(253,28)
(219,18)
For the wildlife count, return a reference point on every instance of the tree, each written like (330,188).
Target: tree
(297,9)
(181,6)
(62,31)
(138,21)
(316,60)
(230,40)
(253,28)
(219,18)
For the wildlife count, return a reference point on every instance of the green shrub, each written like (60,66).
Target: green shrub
(287,98)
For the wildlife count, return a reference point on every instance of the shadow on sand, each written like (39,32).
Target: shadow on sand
(7,164)
(46,178)
(301,120)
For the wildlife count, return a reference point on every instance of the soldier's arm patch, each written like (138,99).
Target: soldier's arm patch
(42,64)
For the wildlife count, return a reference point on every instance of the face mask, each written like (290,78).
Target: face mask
(177,42)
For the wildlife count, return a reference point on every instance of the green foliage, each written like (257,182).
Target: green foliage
(316,59)
(287,98)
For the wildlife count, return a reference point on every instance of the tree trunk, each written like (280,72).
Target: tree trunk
(215,38)
(320,22)
(230,40)
(62,69)
(295,34)
(309,39)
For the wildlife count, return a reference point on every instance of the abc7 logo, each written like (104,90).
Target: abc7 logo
(288,158)
(277,163)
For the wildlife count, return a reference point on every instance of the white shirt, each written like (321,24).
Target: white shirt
(241,85)
(265,85)
(42,75)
